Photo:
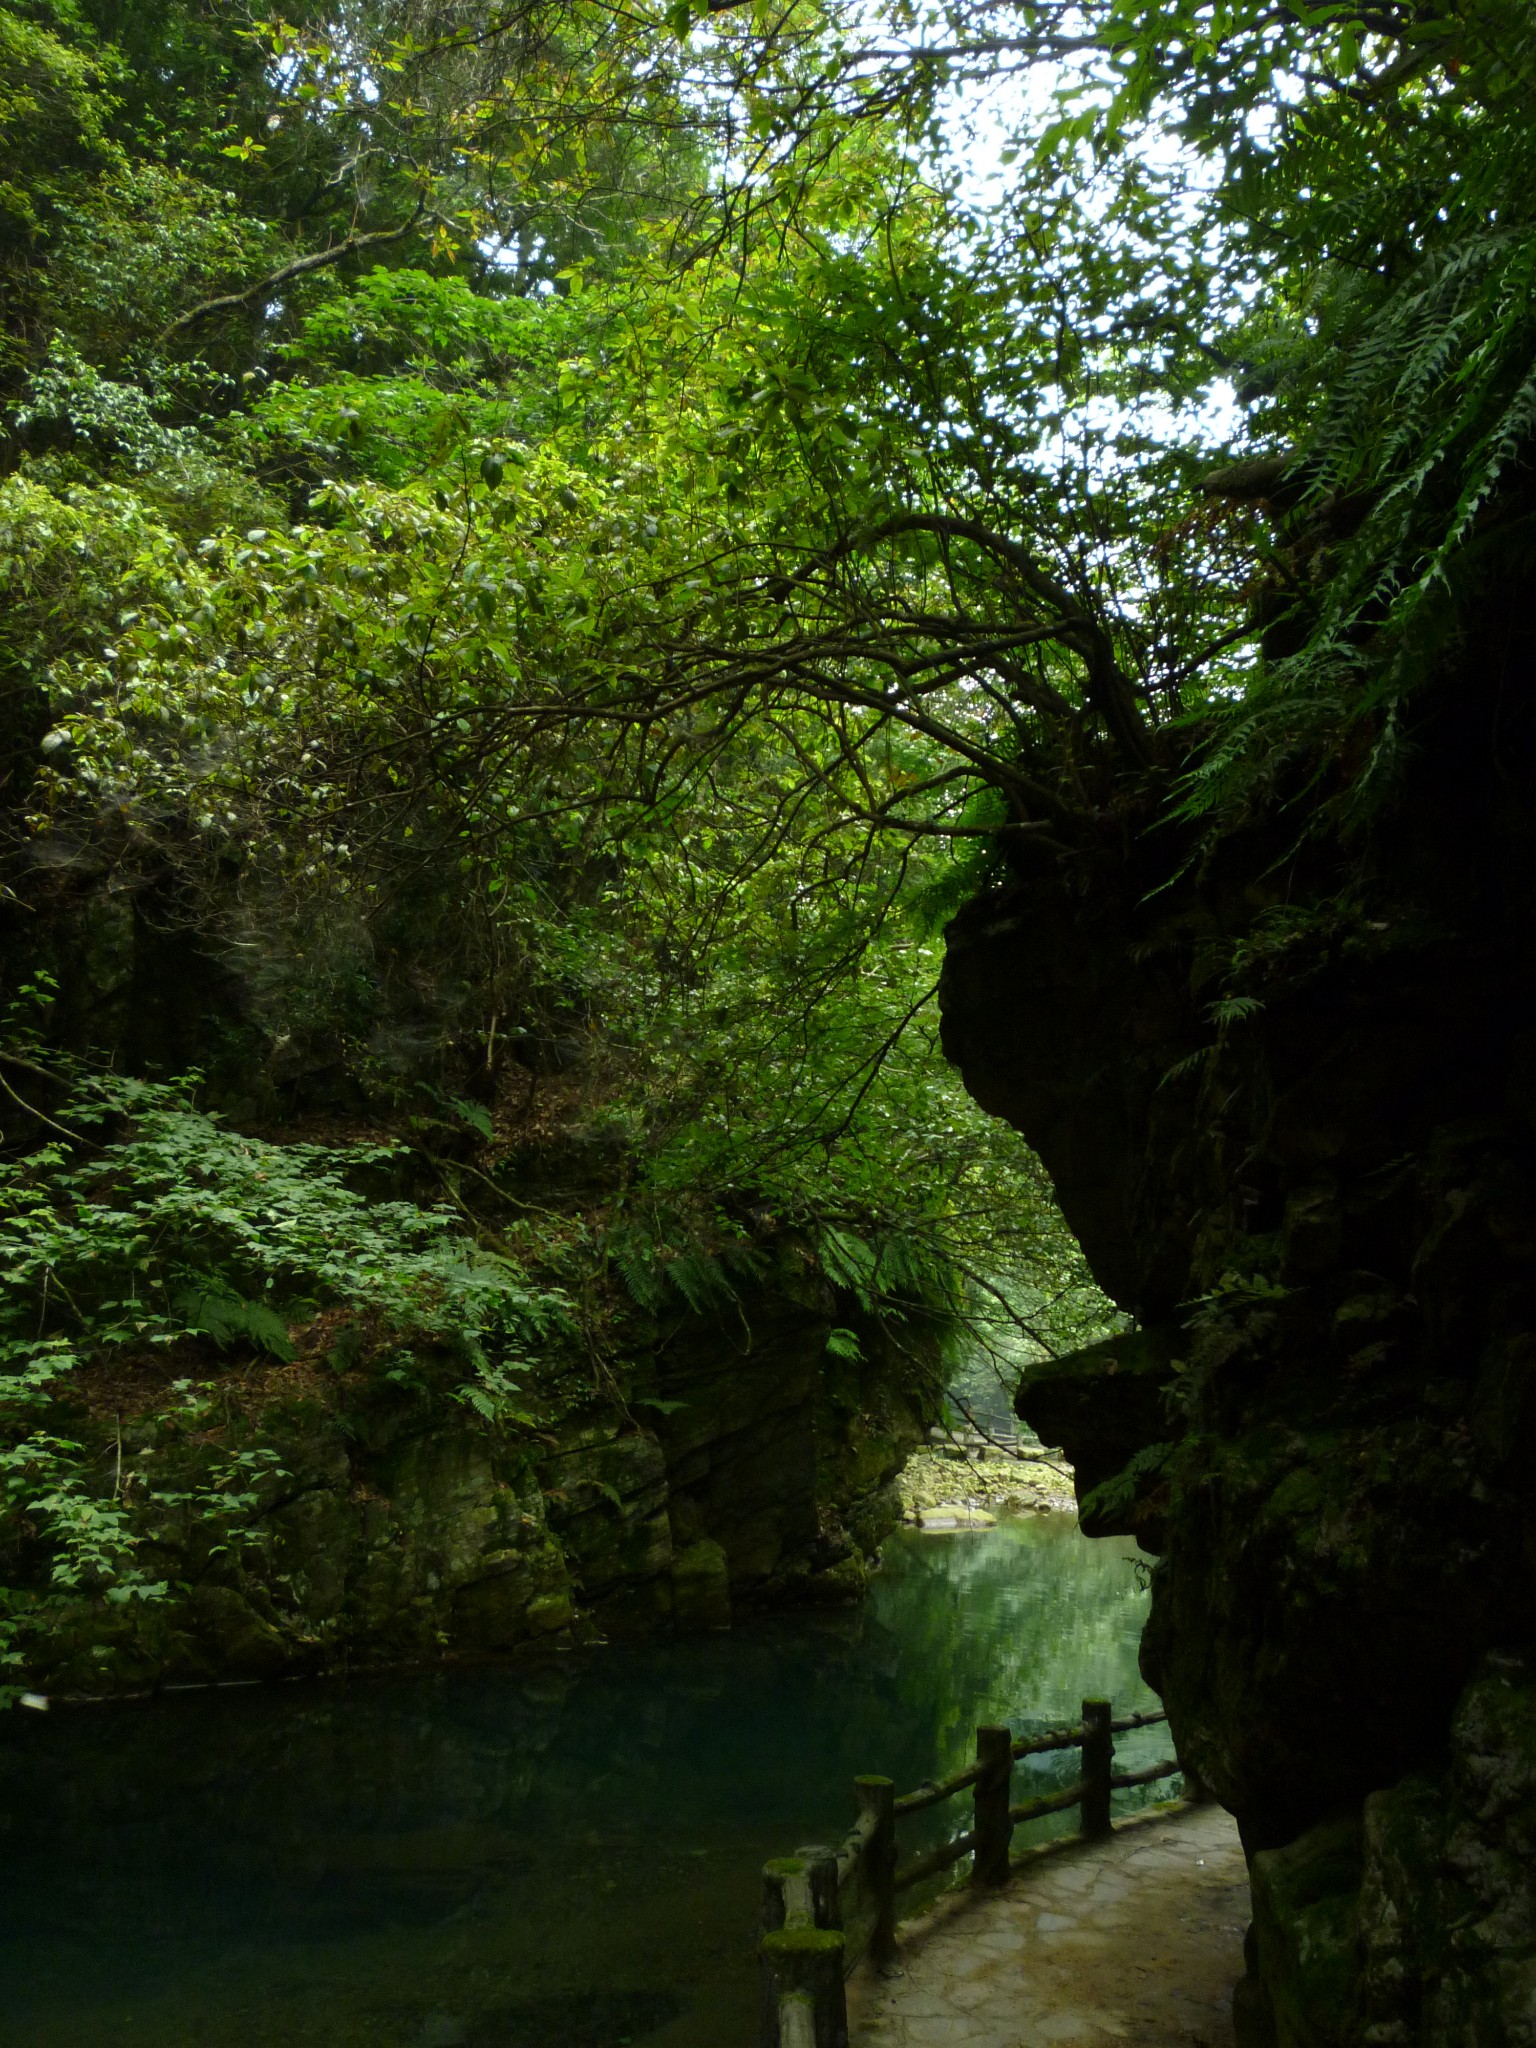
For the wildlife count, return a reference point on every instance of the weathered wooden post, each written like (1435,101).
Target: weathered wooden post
(877,1804)
(808,1965)
(771,1918)
(1098,1762)
(804,2004)
(797,2026)
(826,1907)
(992,1796)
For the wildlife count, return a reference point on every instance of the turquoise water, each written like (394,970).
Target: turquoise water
(552,1855)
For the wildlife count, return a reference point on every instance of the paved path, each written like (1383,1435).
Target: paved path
(1136,1940)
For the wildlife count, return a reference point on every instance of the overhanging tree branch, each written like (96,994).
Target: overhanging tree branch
(1107,687)
(319,259)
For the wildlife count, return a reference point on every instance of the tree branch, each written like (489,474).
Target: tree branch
(925,828)
(1108,688)
(320,259)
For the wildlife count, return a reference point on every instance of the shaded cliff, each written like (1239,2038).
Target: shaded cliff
(277,1464)
(1285,1083)
(371,1519)
(263,1469)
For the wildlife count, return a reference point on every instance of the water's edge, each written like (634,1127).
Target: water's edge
(559,1855)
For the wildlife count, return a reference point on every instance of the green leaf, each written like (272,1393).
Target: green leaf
(475,1114)
(214,1312)
(1113,1496)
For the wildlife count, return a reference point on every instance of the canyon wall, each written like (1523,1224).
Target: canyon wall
(1284,1080)
(376,1521)
(705,1460)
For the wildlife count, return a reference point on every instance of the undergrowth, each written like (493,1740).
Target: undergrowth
(143,1221)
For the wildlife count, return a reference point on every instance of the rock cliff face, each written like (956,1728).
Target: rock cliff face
(1287,1093)
(379,1521)
(392,1527)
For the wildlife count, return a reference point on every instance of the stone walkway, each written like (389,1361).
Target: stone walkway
(1137,1940)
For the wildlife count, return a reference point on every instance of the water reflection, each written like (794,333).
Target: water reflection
(560,1856)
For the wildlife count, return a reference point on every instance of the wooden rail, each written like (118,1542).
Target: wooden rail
(825,1909)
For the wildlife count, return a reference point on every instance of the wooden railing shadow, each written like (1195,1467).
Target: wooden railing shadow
(826,1909)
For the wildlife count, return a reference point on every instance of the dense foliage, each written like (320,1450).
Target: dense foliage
(573,536)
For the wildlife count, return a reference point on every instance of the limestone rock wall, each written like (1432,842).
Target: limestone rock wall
(1286,1087)
(392,1527)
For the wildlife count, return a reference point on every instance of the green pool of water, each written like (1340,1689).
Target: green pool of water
(552,1855)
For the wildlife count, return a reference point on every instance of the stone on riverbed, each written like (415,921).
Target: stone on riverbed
(1007,1484)
(953,1514)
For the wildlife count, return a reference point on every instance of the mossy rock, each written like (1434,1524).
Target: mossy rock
(1448,1904)
(701,1588)
(1306,1922)
(1104,1403)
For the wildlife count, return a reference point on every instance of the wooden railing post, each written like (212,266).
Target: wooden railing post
(877,1800)
(771,1918)
(797,2028)
(830,1997)
(821,1882)
(1098,1763)
(807,1963)
(804,2004)
(992,1796)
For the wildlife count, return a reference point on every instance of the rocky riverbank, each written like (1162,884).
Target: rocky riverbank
(966,1482)
(386,1525)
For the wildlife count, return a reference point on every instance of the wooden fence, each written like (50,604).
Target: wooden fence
(825,1909)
